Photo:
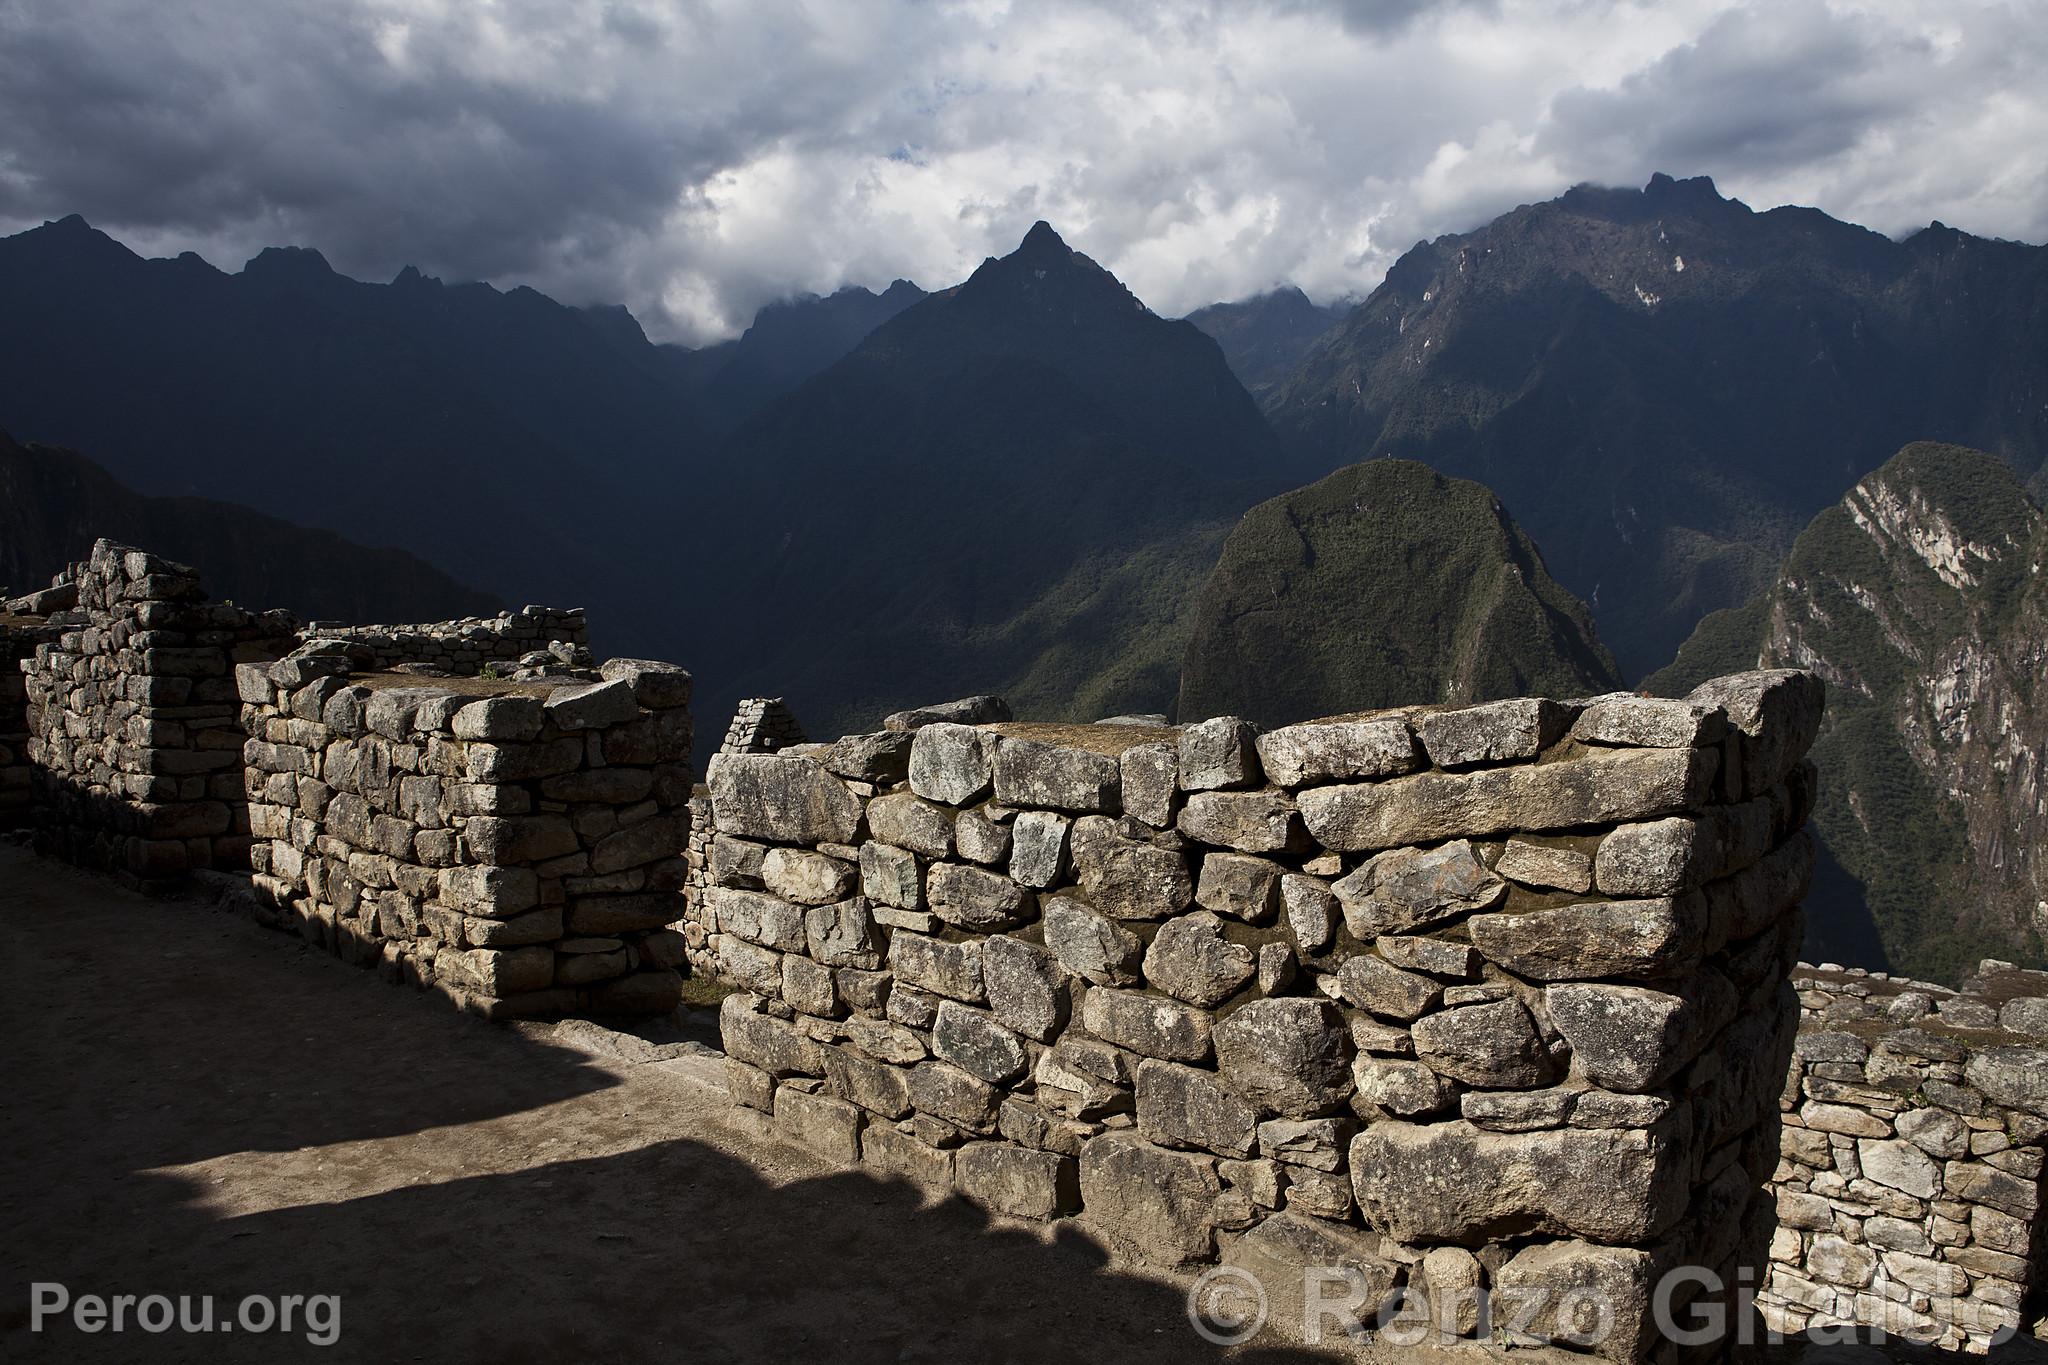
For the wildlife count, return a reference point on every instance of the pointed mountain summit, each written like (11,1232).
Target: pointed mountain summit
(1265,336)
(1016,484)
(1666,385)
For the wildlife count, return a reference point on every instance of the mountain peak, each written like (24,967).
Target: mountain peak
(1042,240)
(300,262)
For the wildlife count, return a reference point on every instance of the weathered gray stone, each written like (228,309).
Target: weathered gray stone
(736,862)
(1564,869)
(1276,968)
(1290,1056)
(951,764)
(1218,753)
(1496,732)
(768,1043)
(884,1090)
(981,838)
(2028,1016)
(1649,722)
(890,876)
(1935,1132)
(1453,1182)
(974,898)
(882,758)
(1179,1106)
(1126,879)
(1599,787)
(748,966)
(1438,957)
(966,711)
(518,719)
(1375,984)
(1151,781)
(830,1127)
(1091,946)
(945,1091)
(490,892)
(1064,1084)
(948,969)
(1404,1089)
(1039,855)
(788,800)
(1192,961)
(1491,1045)
(1028,773)
(806,986)
(1451,1281)
(1632,1038)
(1521,1111)
(1239,885)
(977,1044)
(843,935)
(886,1042)
(1287,1253)
(1016,1181)
(1150,1025)
(1250,822)
(1611,1289)
(1025,987)
(1408,888)
(1899,1166)
(1318,1193)
(1338,751)
(519,838)
(805,877)
(1311,910)
(2013,1076)
(897,1153)
(757,918)
(1778,712)
(907,821)
(1646,938)
(593,706)
(1657,857)
(1153,1202)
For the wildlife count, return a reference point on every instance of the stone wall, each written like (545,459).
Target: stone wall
(761,725)
(1909,1191)
(518,846)
(135,738)
(20,633)
(468,646)
(1484,1001)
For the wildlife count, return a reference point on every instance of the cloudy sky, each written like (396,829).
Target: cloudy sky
(695,158)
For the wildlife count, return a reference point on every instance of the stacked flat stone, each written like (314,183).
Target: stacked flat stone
(520,852)
(464,648)
(1479,999)
(697,924)
(135,736)
(761,725)
(20,633)
(1909,1193)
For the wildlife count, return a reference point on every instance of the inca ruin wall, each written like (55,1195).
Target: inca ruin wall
(465,647)
(518,846)
(1909,1193)
(1474,1001)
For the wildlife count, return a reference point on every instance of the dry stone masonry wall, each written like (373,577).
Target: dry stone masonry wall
(469,646)
(20,632)
(135,738)
(1909,1192)
(518,847)
(761,725)
(1492,999)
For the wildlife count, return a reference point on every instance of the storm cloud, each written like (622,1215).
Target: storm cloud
(696,158)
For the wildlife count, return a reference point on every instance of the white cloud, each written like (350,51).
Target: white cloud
(695,158)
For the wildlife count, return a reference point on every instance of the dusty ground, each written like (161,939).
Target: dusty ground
(194,1105)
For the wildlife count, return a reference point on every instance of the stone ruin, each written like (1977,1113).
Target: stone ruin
(1909,1190)
(1480,1002)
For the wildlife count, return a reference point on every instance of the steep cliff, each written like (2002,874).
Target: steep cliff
(1921,598)
(1381,585)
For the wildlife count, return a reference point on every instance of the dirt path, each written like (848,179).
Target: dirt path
(194,1105)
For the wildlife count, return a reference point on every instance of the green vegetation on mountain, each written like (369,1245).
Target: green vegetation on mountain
(1921,598)
(1666,386)
(1384,584)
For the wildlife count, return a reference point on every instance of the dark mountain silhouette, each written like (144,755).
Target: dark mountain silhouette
(54,503)
(789,341)
(1265,336)
(1385,584)
(1666,386)
(1920,598)
(1017,483)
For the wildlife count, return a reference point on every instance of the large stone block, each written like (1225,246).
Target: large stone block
(1046,776)
(785,799)
(827,1126)
(1492,1045)
(1640,938)
(768,1043)
(974,898)
(1125,878)
(1091,946)
(757,918)
(1180,1106)
(1218,753)
(1495,732)
(1290,1056)
(908,821)
(1017,1181)
(948,969)
(1192,961)
(1310,1267)
(1150,1025)
(1599,787)
(1320,751)
(1633,1038)
(1777,711)
(1454,1182)
(1025,986)
(951,763)
(805,877)
(1407,889)
(1239,885)
(1583,1294)
(1250,822)
(1152,1202)
(977,1044)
